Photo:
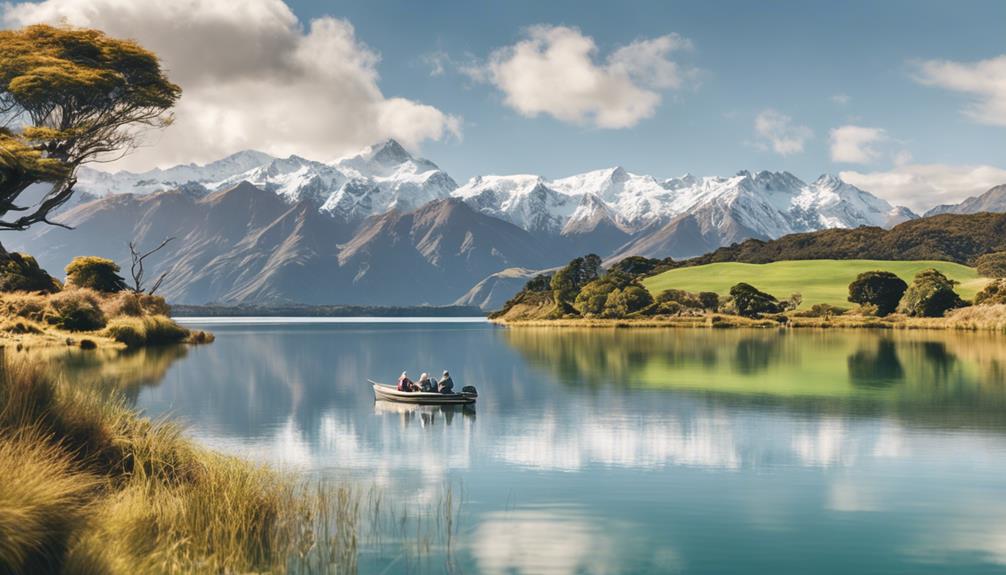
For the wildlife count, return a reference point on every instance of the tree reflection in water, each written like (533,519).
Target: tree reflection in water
(876,368)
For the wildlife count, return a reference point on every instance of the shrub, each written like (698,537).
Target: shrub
(879,288)
(792,302)
(930,295)
(710,300)
(148,330)
(20,272)
(993,293)
(682,297)
(27,305)
(992,265)
(134,304)
(99,274)
(76,310)
(622,302)
(749,301)
(821,310)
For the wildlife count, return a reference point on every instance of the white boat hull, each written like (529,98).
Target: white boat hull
(390,393)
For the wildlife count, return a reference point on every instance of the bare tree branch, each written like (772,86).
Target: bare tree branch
(136,268)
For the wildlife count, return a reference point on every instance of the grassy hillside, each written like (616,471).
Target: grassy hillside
(818,281)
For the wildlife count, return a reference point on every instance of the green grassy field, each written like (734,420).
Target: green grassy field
(818,281)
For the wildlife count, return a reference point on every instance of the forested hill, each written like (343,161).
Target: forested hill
(948,237)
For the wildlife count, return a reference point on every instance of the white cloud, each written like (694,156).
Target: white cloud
(840,99)
(854,144)
(922,186)
(253,76)
(778,131)
(553,71)
(984,80)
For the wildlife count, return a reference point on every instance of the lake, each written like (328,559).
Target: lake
(618,451)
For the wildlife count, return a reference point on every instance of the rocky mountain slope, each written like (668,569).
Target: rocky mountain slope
(244,244)
(385,227)
(993,200)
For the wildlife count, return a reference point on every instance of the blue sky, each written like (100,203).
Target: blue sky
(904,98)
(794,57)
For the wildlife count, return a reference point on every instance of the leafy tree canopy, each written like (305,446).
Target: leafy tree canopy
(992,265)
(930,295)
(70,96)
(752,302)
(879,288)
(993,293)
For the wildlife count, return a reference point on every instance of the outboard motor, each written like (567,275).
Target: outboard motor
(470,390)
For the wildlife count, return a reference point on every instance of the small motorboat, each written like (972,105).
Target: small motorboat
(390,393)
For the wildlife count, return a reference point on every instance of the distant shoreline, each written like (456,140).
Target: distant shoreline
(987,318)
(322,311)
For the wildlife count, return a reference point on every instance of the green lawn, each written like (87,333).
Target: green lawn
(818,281)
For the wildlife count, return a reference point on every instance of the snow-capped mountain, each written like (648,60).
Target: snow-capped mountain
(378,179)
(768,204)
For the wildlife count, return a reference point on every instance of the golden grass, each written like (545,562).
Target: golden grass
(90,487)
(87,486)
(123,319)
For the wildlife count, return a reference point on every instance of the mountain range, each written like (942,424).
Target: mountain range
(383,227)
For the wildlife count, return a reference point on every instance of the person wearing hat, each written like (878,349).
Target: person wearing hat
(425,383)
(446,384)
(404,383)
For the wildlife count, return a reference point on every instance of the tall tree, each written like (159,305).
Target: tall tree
(70,96)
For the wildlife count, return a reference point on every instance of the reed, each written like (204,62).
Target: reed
(91,487)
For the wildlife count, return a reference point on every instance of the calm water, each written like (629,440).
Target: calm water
(627,451)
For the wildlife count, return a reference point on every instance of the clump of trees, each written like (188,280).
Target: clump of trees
(92,272)
(930,295)
(568,281)
(993,293)
(992,265)
(879,289)
(749,301)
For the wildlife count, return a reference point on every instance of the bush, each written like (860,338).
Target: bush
(622,302)
(593,296)
(930,295)
(993,293)
(76,310)
(20,272)
(992,265)
(99,274)
(710,300)
(821,310)
(749,301)
(128,303)
(149,330)
(682,297)
(879,288)
(27,305)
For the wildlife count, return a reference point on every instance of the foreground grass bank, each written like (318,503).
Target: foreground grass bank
(817,281)
(90,487)
(88,318)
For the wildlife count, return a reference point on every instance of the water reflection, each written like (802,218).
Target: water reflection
(426,415)
(878,367)
(597,451)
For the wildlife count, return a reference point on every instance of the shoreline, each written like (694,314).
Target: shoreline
(994,320)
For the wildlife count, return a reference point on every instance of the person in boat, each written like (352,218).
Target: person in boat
(446,384)
(425,383)
(404,383)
